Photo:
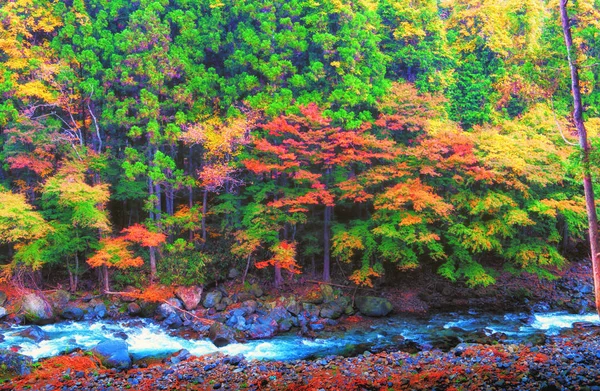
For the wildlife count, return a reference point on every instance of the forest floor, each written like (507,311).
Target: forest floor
(568,361)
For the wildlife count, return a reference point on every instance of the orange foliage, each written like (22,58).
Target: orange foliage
(114,253)
(137,233)
(54,367)
(284,256)
(153,293)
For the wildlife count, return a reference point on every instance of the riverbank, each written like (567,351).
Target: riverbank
(568,361)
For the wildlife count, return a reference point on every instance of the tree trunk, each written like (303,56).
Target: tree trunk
(326,244)
(204,210)
(105,278)
(152,263)
(585,148)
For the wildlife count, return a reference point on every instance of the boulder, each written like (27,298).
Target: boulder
(327,293)
(212,299)
(71,312)
(331,310)
(373,306)
(164,310)
(133,309)
(113,354)
(293,306)
(3,312)
(190,296)
(36,309)
(34,333)
(177,357)
(249,306)
(262,330)
(12,363)
(59,299)
(173,321)
(99,311)
(255,290)
(220,334)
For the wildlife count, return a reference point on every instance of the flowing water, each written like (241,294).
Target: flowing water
(147,339)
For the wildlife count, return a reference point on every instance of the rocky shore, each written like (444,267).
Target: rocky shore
(570,361)
(230,313)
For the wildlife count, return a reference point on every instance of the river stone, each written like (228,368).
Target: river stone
(72,313)
(177,357)
(165,309)
(3,312)
(34,333)
(113,354)
(249,306)
(331,310)
(327,293)
(100,311)
(12,363)
(36,309)
(59,299)
(255,290)
(220,334)
(212,299)
(293,306)
(133,309)
(373,306)
(262,329)
(190,296)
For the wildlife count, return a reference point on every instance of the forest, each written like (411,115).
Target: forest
(171,141)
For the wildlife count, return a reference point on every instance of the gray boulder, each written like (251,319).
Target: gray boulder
(189,296)
(72,313)
(34,333)
(164,310)
(220,334)
(3,312)
(113,354)
(373,306)
(212,299)
(12,363)
(133,309)
(331,310)
(36,309)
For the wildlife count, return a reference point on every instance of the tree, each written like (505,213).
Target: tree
(588,188)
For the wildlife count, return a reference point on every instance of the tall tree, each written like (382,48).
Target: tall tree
(585,150)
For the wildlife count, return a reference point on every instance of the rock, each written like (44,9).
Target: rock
(37,310)
(113,354)
(312,309)
(164,310)
(373,306)
(173,321)
(72,313)
(331,310)
(262,330)
(255,290)
(190,296)
(279,314)
(99,311)
(233,273)
(3,298)
(327,293)
(220,334)
(293,307)
(178,357)
(250,306)
(212,299)
(59,299)
(12,363)
(133,309)
(3,312)
(34,333)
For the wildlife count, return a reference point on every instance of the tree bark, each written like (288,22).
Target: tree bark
(326,244)
(152,251)
(585,149)
(204,210)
